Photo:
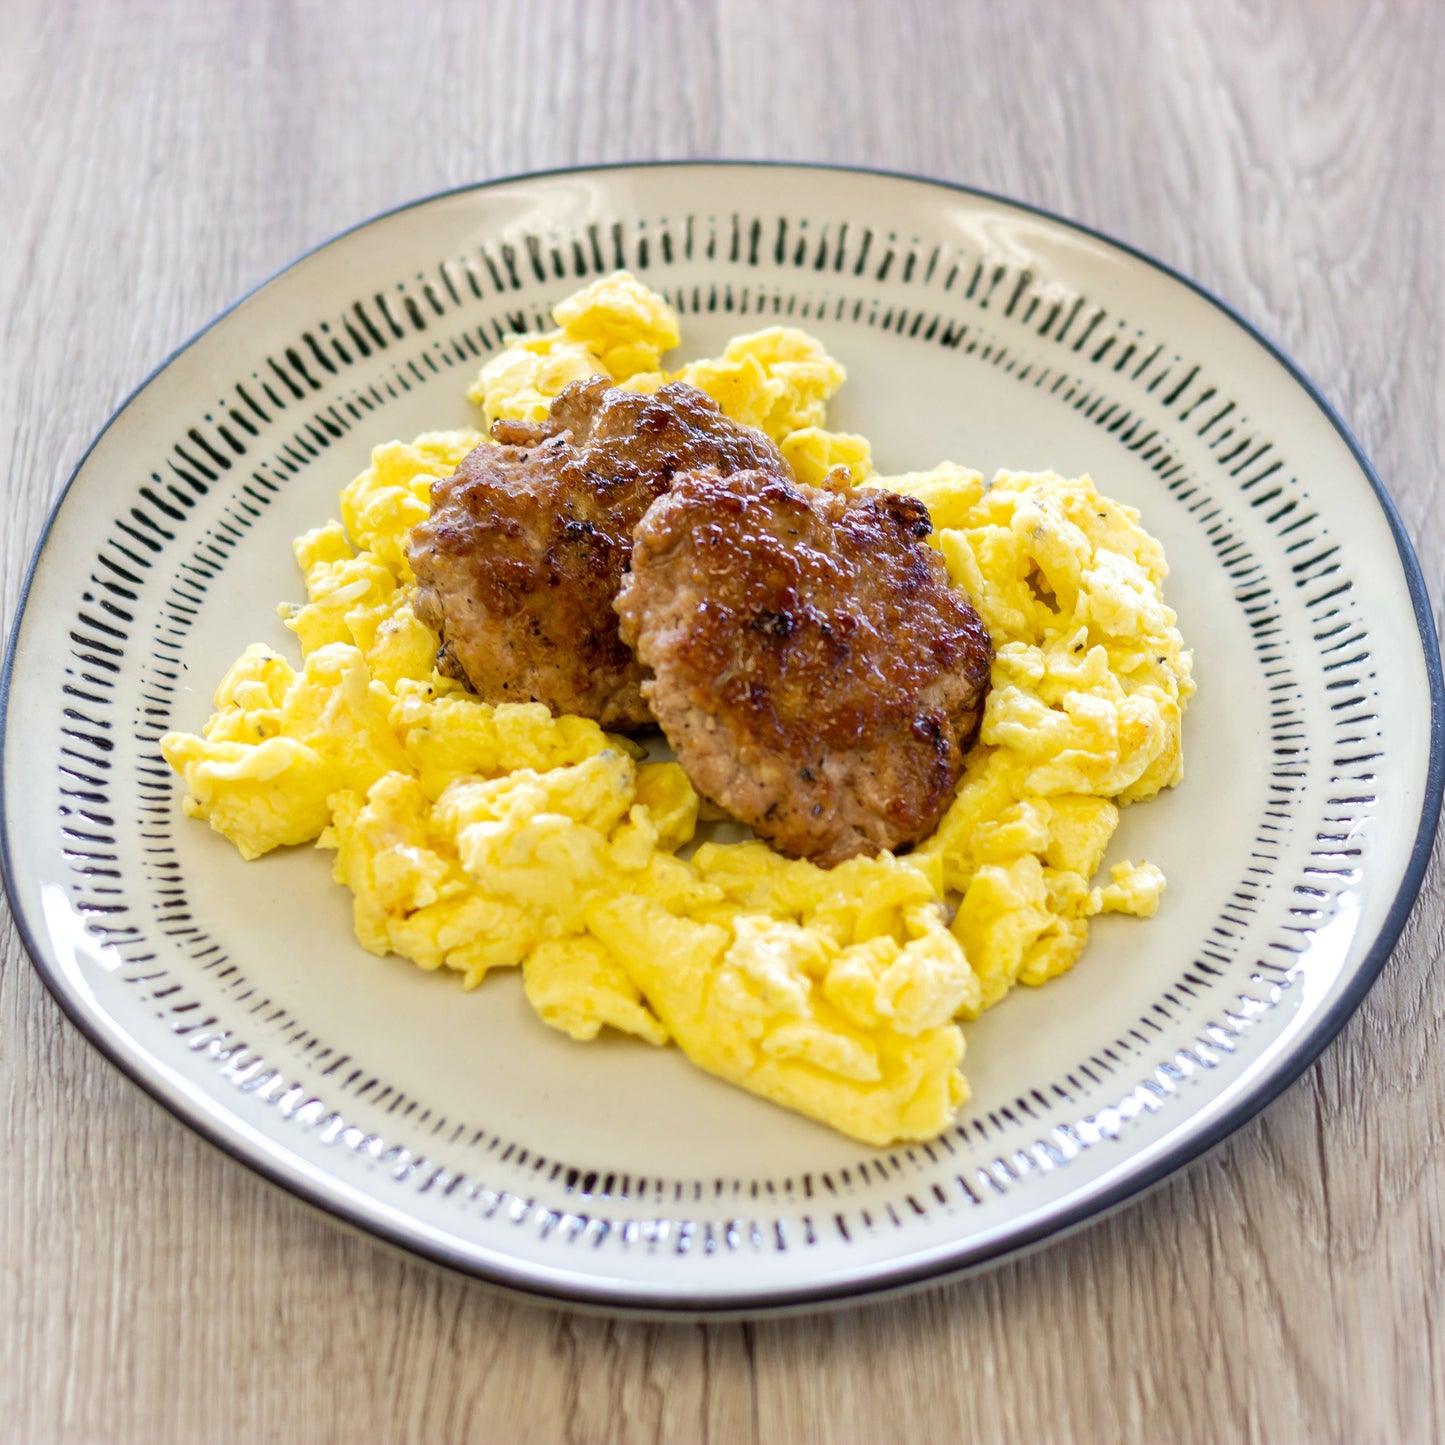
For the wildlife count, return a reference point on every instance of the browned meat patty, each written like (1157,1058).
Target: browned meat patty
(527,544)
(814,671)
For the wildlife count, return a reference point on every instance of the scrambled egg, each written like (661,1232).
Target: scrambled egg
(475,837)
(779,380)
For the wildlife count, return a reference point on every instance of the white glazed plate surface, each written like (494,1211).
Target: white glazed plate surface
(615,1174)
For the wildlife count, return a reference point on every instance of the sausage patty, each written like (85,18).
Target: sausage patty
(527,543)
(813,669)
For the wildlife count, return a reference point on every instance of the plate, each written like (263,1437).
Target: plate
(615,1175)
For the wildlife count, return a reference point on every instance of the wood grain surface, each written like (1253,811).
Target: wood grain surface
(157,159)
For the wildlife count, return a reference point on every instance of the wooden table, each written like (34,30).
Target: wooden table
(160,158)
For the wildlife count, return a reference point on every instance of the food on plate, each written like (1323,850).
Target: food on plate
(814,669)
(527,543)
(778,380)
(1090,682)
(477,834)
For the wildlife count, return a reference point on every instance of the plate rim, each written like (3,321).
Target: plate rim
(899,1277)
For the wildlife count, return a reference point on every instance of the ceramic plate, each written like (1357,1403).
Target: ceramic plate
(616,1175)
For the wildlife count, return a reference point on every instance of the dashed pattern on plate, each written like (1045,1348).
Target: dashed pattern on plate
(294,406)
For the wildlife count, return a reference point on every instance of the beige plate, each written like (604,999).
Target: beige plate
(616,1175)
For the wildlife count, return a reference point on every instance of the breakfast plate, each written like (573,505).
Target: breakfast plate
(614,1176)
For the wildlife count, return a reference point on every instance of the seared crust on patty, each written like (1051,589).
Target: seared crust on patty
(813,669)
(528,542)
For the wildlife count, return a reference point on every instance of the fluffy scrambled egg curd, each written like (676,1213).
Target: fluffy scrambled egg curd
(779,380)
(475,836)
